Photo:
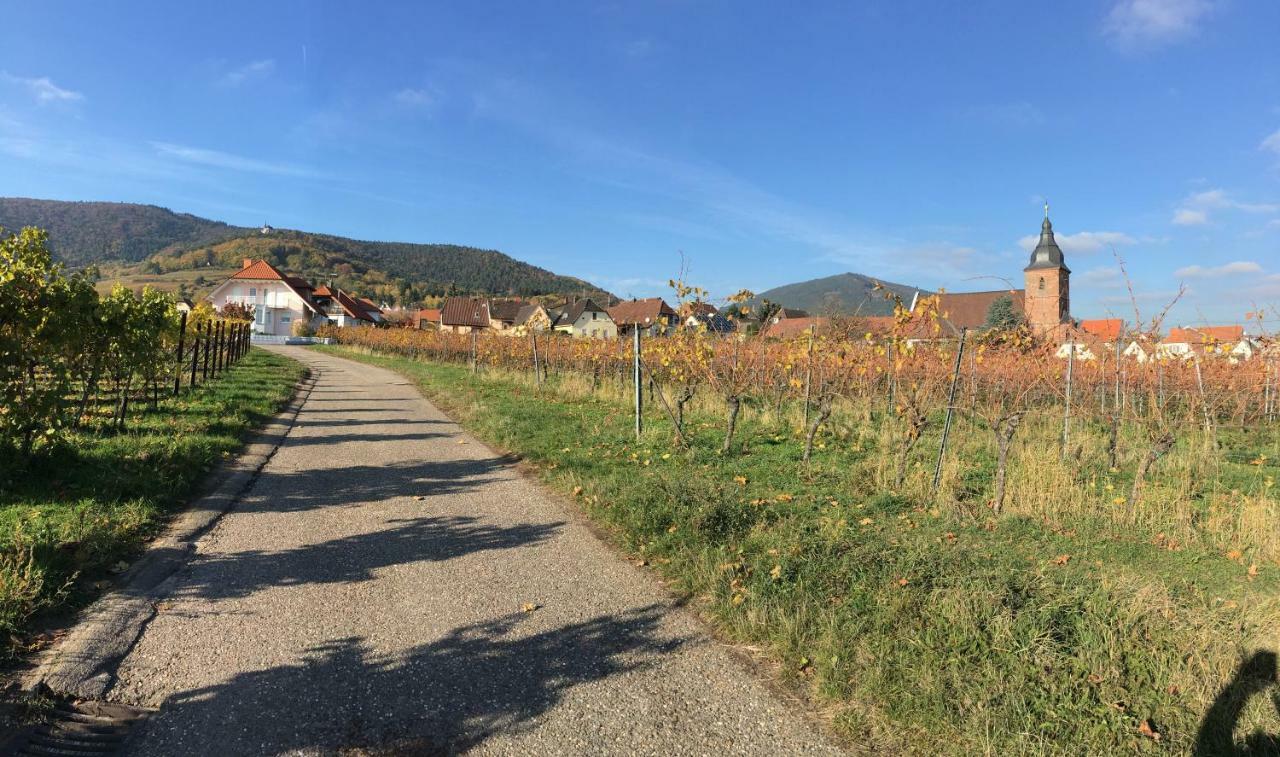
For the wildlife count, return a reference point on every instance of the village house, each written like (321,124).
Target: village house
(704,315)
(787,328)
(342,309)
(531,318)
(503,314)
(582,317)
(426,318)
(783,314)
(1207,341)
(462,315)
(276,300)
(1090,338)
(652,316)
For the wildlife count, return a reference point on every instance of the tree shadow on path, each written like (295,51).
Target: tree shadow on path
(359,485)
(443,697)
(355,558)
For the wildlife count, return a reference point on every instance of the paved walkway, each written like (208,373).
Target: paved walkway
(366,597)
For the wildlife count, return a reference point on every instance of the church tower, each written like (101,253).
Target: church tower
(1047,300)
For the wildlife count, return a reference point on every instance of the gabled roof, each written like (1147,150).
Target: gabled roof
(465,311)
(1107,329)
(430,315)
(968,310)
(526,312)
(640,312)
(351,306)
(505,310)
(569,313)
(1204,334)
(261,269)
(368,305)
(785,313)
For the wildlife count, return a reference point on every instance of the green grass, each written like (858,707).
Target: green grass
(910,625)
(72,512)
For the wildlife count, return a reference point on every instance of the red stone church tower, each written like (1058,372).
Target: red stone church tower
(1048,295)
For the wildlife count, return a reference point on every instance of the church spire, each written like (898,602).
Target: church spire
(1047,253)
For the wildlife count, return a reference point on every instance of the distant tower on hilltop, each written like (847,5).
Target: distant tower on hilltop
(1047,300)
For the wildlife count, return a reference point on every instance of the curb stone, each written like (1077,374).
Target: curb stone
(83,665)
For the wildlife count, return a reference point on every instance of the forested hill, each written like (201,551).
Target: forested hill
(844,293)
(81,233)
(145,244)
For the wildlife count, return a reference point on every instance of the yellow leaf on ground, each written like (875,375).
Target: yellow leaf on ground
(529,607)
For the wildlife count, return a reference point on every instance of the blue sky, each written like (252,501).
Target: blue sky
(767,142)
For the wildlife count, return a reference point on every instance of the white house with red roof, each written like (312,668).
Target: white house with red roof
(277,300)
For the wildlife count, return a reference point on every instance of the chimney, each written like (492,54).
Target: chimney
(247,262)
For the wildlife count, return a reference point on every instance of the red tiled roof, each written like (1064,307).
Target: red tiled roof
(969,309)
(368,305)
(789,327)
(876,324)
(1107,329)
(465,311)
(428,315)
(643,312)
(1203,334)
(259,269)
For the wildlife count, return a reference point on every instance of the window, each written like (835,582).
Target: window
(595,332)
(1042,283)
(594,315)
(284,319)
(253,291)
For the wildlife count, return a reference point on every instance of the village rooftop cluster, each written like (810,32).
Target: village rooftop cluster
(283,305)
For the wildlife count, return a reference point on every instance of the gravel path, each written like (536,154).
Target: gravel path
(367,594)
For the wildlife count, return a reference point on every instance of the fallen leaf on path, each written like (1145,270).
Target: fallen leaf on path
(1062,559)
(529,607)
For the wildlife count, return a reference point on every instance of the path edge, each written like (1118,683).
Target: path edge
(83,665)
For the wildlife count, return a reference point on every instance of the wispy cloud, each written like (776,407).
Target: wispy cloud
(1082,242)
(258,69)
(1196,208)
(1190,217)
(1144,24)
(416,98)
(229,162)
(1236,268)
(1272,143)
(42,88)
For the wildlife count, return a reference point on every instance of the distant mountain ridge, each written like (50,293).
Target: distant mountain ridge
(140,244)
(83,233)
(843,293)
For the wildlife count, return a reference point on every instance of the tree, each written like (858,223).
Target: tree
(1001,315)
